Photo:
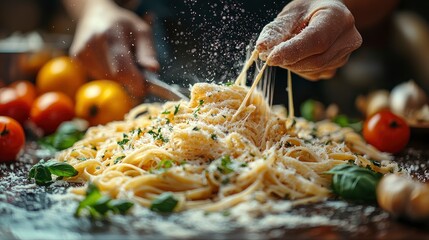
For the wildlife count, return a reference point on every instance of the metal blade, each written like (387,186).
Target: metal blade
(162,90)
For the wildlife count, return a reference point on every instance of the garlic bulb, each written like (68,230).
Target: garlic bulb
(376,101)
(407,98)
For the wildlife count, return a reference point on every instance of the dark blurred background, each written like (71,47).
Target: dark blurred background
(206,41)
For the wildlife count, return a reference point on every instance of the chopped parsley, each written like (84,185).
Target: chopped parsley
(176,109)
(157,135)
(200,103)
(244,165)
(225,180)
(118,159)
(225,165)
(162,166)
(165,164)
(123,142)
(138,131)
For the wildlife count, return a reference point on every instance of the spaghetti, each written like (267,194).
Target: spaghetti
(219,149)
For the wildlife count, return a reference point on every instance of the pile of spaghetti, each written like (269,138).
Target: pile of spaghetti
(212,157)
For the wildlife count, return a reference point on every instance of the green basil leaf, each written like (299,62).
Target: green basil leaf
(92,196)
(62,142)
(101,205)
(62,169)
(66,135)
(32,173)
(98,205)
(41,174)
(344,121)
(120,206)
(307,109)
(355,183)
(164,203)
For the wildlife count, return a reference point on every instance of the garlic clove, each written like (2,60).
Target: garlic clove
(418,207)
(423,114)
(407,98)
(393,192)
(377,101)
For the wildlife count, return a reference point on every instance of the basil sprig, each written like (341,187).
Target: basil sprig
(97,205)
(66,135)
(355,183)
(164,203)
(344,121)
(42,171)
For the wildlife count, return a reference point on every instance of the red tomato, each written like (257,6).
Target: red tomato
(12,139)
(386,131)
(13,105)
(16,100)
(49,110)
(25,90)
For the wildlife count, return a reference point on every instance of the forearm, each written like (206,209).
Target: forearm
(368,13)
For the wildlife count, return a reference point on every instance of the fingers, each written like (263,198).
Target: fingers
(121,59)
(111,56)
(93,59)
(323,73)
(273,34)
(319,42)
(280,30)
(145,50)
(334,57)
(314,76)
(324,28)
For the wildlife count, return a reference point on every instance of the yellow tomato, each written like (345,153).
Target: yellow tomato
(61,74)
(102,101)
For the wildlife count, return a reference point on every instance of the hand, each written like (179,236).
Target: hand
(311,38)
(109,41)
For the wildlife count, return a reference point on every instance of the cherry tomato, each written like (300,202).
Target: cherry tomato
(12,139)
(61,74)
(13,105)
(102,101)
(25,90)
(16,100)
(50,109)
(386,131)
